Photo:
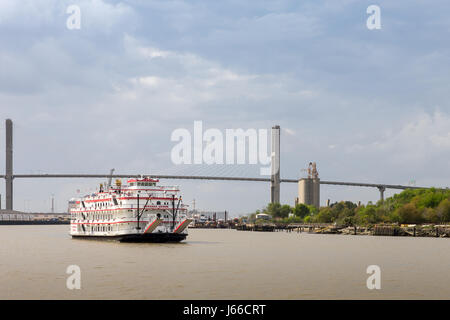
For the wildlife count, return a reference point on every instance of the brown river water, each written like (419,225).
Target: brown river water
(222,264)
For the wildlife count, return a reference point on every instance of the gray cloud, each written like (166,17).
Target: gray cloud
(367,106)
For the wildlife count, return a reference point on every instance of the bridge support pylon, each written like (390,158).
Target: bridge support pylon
(9,165)
(275,166)
(382,189)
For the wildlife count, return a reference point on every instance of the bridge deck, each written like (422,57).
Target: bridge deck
(178,177)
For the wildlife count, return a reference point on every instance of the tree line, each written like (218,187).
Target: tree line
(410,206)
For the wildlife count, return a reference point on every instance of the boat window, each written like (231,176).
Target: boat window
(158,202)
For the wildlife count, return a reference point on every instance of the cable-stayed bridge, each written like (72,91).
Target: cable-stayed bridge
(214,173)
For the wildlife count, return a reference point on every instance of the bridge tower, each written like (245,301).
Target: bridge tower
(382,190)
(9,165)
(275,166)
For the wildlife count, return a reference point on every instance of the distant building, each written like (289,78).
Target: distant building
(263,216)
(27,216)
(309,188)
(309,191)
(203,216)
(14,215)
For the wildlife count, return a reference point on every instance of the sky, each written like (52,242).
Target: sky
(366,105)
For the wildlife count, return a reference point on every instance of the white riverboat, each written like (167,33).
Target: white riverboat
(140,211)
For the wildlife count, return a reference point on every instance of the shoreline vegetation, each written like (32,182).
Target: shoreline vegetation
(411,230)
(413,212)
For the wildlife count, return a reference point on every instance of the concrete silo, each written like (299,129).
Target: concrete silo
(309,188)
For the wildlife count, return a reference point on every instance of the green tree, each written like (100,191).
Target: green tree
(408,213)
(430,215)
(346,217)
(313,210)
(431,198)
(285,210)
(443,211)
(409,206)
(273,209)
(277,210)
(325,215)
(301,210)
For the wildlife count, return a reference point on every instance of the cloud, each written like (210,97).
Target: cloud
(289,131)
(441,141)
(415,139)
(359,103)
(417,149)
(38,13)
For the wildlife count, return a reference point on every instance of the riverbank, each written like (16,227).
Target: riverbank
(428,230)
(442,231)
